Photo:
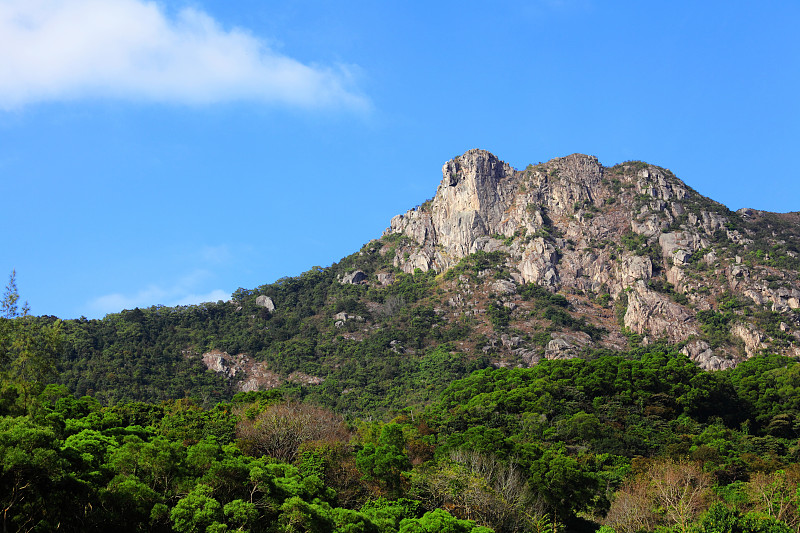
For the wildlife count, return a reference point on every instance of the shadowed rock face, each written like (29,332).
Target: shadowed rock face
(572,225)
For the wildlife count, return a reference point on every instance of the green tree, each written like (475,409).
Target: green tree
(30,465)
(388,514)
(440,521)
(387,460)
(567,485)
(240,514)
(720,519)
(92,447)
(197,511)
(8,307)
(126,500)
(299,516)
(28,351)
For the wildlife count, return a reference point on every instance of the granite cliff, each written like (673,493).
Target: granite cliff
(502,267)
(675,265)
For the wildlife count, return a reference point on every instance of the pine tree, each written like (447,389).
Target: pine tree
(28,350)
(10,299)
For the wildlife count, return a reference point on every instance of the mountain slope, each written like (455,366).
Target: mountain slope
(677,265)
(502,267)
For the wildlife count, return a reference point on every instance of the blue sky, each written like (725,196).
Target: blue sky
(170,152)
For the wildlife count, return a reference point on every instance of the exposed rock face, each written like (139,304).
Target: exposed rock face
(504,287)
(305,379)
(701,353)
(385,278)
(482,204)
(634,232)
(342,317)
(654,313)
(247,375)
(566,345)
(265,302)
(354,278)
(751,337)
(217,361)
(479,199)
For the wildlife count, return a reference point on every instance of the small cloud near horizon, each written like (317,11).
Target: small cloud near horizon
(213,296)
(184,291)
(57,50)
(116,302)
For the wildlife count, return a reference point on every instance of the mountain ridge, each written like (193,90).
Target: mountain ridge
(571,223)
(502,267)
(606,426)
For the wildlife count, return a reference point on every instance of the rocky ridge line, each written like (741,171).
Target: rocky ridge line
(577,227)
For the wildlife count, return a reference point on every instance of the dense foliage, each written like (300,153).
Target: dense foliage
(393,351)
(635,441)
(405,434)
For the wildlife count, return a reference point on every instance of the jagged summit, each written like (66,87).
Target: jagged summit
(482,202)
(633,232)
(503,267)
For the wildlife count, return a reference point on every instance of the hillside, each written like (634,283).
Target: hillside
(501,267)
(568,348)
(674,264)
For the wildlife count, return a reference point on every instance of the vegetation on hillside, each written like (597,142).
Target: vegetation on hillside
(399,422)
(641,441)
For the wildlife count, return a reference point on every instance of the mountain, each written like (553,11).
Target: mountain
(502,267)
(389,392)
(675,265)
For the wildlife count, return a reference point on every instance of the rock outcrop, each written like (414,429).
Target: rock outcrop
(652,313)
(265,302)
(353,278)
(633,232)
(247,375)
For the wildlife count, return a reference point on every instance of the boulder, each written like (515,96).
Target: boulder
(385,278)
(652,312)
(502,286)
(265,302)
(701,353)
(354,278)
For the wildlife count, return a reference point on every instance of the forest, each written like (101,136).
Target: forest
(109,425)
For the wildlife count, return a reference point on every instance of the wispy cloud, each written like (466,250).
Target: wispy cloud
(115,302)
(132,49)
(181,292)
(213,296)
(216,254)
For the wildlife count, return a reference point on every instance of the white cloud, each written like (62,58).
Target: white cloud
(182,292)
(213,296)
(131,49)
(113,303)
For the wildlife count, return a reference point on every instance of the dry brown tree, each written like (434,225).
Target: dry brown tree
(681,489)
(632,508)
(279,429)
(667,492)
(482,488)
(776,494)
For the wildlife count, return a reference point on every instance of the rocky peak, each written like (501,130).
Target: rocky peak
(633,232)
(483,202)
(478,168)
